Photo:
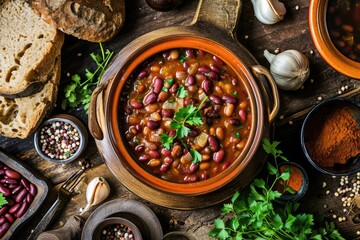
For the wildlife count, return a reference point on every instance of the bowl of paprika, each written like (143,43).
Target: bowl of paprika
(330,137)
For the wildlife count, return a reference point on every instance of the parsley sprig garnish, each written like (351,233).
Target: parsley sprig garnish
(251,214)
(189,115)
(3,200)
(79,92)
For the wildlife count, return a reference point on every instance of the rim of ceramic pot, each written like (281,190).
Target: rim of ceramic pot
(324,45)
(148,50)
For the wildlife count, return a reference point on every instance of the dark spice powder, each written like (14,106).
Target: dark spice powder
(333,137)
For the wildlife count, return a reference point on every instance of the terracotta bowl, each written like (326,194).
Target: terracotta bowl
(323,43)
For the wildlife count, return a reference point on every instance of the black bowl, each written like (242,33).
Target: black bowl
(315,118)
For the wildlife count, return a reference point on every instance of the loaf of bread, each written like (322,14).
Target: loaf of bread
(91,20)
(19,117)
(28,49)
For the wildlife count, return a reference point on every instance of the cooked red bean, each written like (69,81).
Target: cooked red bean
(242,115)
(4,228)
(200,76)
(12,174)
(136,104)
(143,74)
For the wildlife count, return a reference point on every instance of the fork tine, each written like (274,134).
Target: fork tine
(72,178)
(75,183)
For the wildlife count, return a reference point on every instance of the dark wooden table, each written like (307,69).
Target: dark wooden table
(291,33)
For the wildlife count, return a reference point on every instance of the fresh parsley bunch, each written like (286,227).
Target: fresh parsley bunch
(79,91)
(252,214)
(3,200)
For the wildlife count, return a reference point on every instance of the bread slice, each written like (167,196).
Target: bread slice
(20,117)
(28,49)
(91,20)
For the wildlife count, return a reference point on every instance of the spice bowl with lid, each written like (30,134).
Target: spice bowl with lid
(61,139)
(330,137)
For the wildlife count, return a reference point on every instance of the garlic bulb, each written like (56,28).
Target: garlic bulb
(269,11)
(289,69)
(97,191)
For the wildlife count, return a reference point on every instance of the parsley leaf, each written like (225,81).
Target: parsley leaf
(166,140)
(237,135)
(196,156)
(183,58)
(169,81)
(79,90)
(3,200)
(181,93)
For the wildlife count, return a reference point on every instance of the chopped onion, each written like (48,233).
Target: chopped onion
(187,157)
(180,102)
(170,105)
(202,96)
(201,140)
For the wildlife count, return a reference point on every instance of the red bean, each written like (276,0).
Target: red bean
(25,183)
(29,198)
(212,114)
(164,168)
(2,220)
(9,217)
(173,89)
(143,74)
(218,156)
(213,143)
(152,124)
(16,190)
(9,181)
(136,104)
(207,85)
(33,189)
(193,167)
(204,176)
(5,190)
(168,160)
(13,186)
(204,69)
(168,113)
(218,60)
(225,165)
(2,171)
(4,210)
(191,178)
(149,98)
(188,101)
(22,194)
(200,77)
(190,53)
(215,68)
(154,154)
(22,210)
(235,121)
(12,174)
(144,158)
(213,75)
(242,115)
(194,133)
(229,99)
(165,152)
(15,208)
(215,99)
(139,148)
(4,228)
(158,84)
(172,133)
(190,80)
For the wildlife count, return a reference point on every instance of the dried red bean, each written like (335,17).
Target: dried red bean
(5,190)
(144,158)
(22,210)
(15,208)
(207,85)
(215,99)
(25,183)
(242,115)
(150,98)
(158,84)
(16,190)
(218,156)
(4,210)
(143,74)
(213,143)
(4,228)
(12,174)
(2,171)
(29,198)
(136,104)
(9,217)
(33,189)
(13,186)
(152,125)
(229,99)
(22,194)
(9,181)
(2,220)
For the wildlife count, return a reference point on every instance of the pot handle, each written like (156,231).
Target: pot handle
(94,126)
(258,70)
(222,14)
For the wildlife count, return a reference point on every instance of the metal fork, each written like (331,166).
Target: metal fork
(63,197)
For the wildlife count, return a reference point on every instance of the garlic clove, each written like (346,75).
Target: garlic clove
(97,191)
(269,11)
(290,69)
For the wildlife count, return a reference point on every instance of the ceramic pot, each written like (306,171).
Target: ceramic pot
(323,43)
(211,33)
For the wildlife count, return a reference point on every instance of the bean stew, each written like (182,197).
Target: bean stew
(343,23)
(188,115)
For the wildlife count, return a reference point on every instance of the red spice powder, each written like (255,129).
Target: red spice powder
(295,181)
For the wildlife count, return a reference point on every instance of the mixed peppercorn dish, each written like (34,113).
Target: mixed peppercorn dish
(188,116)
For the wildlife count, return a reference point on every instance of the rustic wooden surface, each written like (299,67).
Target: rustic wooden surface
(291,33)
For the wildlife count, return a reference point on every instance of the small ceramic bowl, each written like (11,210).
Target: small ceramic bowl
(110,223)
(302,187)
(69,134)
(319,31)
(313,125)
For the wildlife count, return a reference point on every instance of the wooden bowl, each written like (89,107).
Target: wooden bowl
(324,44)
(108,102)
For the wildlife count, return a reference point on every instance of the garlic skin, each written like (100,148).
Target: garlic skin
(269,11)
(290,69)
(97,191)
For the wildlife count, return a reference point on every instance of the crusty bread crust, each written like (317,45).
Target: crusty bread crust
(91,20)
(20,117)
(28,49)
